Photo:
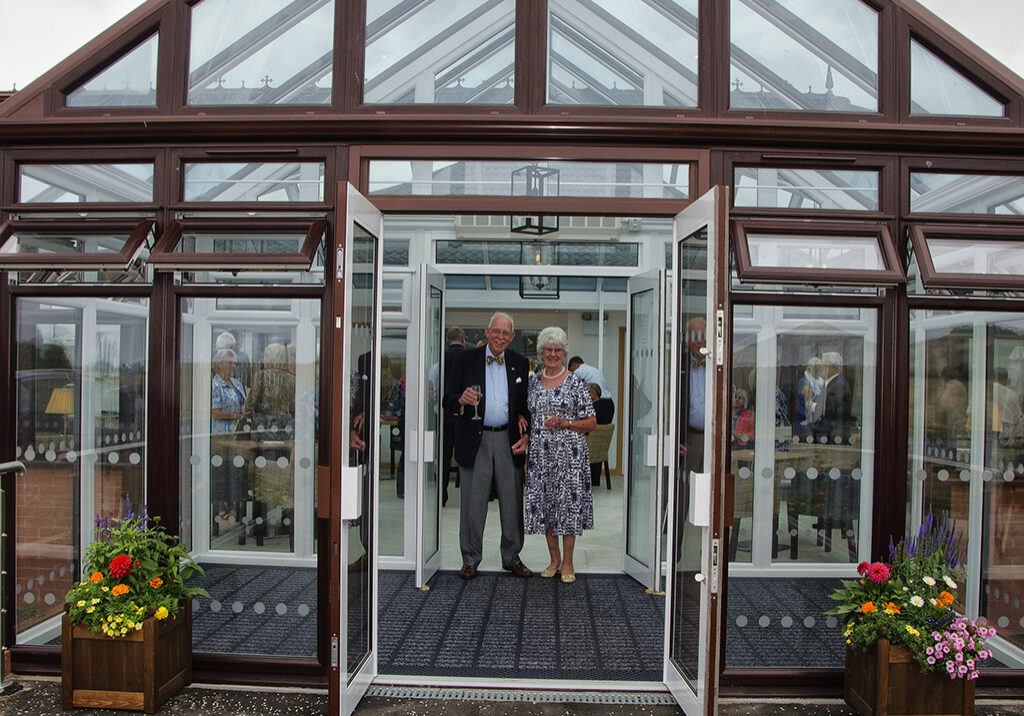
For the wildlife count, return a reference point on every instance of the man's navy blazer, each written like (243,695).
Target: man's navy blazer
(469,369)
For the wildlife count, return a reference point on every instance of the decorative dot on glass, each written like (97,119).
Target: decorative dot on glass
(809,622)
(237,607)
(238,461)
(943,475)
(216,461)
(135,458)
(49,598)
(305,462)
(812,473)
(214,605)
(303,610)
(831,622)
(259,607)
(51,455)
(764,621)
(786,622)
(767,472)
(789,473)
(194,460)
(1003,622)
(834,473)
(30,598)
(741,621)
(113,458)
(260,462)
(743,473)
(281,609)
(282,462)
(965,476)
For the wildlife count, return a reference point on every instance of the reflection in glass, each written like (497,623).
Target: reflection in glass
(80,392)
(392,458)
(85,183)
(249,418)
(440,52)
(128,82)
(631,180)
(622,52)
(358,415)
(815,252)
(533,253)
(434,338)
(55,241)
(994,258)
(966,452)
(259,52)
(820,189)
(829,47)
(255,181)
(966,194)
(937,88)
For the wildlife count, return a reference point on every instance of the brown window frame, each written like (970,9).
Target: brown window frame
(110,261)
(955,165)
(164,258)
(892,275)
(933,279)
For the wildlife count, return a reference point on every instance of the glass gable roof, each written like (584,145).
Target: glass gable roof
(937,88)
(247,52)
(804,55)
(129,82)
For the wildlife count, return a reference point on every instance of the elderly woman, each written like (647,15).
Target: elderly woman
(558,499)
(227,406)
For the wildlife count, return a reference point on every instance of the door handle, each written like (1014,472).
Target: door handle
(698,577)
(428,446)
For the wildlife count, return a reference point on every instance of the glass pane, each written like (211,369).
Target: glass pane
(433,330)
(643,422)
(28,242)
(966,194)
(803,412)
(258,52)
(440,52)
(129,82)
(80,392)
(622,52)
(829,47)
(996,258)
(966,454)
(255,181)
(392,458)
(361,348)
(634,180)
(85,183)
(820,189)
(534,253)
(219,241)
(937,88)
(815,252)
(249,414)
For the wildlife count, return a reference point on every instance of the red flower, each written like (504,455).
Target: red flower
(121,566)
(878,572)
(862,568)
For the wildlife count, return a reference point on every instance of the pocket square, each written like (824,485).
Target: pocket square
(519,380)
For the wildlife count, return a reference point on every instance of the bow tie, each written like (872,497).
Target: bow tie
(500,360)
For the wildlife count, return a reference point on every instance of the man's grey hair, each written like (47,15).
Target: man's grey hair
(552,336)
(594,388)
(834,358)
(502,314)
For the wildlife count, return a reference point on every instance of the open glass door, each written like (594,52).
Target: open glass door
(356,412)
(643,486)
(699,401)
(427,432)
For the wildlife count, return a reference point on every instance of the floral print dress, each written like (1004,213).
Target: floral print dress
(558,466)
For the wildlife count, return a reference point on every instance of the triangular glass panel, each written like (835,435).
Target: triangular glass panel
(937,88)
(819,55)
(246,53)
(129,82)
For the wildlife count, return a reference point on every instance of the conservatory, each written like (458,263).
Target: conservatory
(728,205)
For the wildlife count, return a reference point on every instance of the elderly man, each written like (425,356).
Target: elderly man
(487,390)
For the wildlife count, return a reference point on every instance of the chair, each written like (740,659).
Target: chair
(598,441)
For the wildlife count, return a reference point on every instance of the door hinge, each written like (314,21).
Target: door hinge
(334,652)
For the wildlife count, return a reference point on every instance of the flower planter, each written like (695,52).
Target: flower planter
(139,671)
(886,680)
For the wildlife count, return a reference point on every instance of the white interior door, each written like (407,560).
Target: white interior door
(356,366)
(642,496)
(427,438)
(699,401)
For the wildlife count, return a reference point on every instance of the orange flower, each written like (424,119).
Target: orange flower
(96,577)
(120,589)
(946,598)
(892,608)
(155,582)
(868,607)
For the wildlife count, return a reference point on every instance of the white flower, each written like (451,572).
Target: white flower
(917,601)
(949,581)
(929,581)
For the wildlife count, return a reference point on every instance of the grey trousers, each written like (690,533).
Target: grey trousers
(493,464)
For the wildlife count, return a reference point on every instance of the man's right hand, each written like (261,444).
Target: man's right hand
(469,397)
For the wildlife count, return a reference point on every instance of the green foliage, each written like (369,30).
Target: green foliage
(136,569)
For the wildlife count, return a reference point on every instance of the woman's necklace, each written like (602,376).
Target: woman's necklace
(556,375)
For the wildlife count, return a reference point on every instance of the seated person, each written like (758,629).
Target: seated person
(604,407)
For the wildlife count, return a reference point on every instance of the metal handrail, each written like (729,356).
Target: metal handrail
(6,684)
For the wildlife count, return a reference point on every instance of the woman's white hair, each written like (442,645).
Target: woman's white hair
(552,336)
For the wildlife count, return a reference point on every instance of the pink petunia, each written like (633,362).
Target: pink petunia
(862,568)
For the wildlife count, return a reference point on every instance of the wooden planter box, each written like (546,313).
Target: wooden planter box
(886,681)
(139,671)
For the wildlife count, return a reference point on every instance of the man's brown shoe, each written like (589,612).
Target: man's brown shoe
(519,569)
(467,572)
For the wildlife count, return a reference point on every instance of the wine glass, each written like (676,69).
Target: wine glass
(476,389)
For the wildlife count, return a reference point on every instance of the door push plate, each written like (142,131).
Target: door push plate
(715,550)
(719,337)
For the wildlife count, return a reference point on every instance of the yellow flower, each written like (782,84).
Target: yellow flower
(90,610)
(96,577)
(161,613)
(81,603)
(892,608)
(95,601)
(105,589)
(912,630)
